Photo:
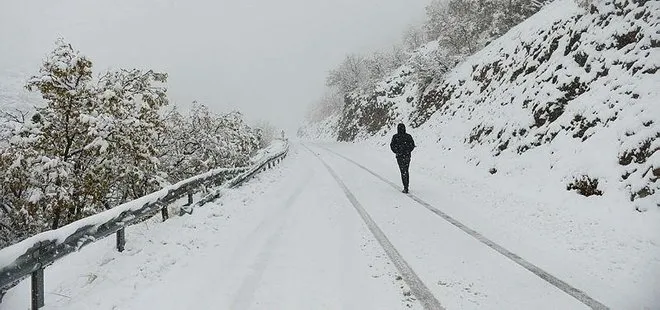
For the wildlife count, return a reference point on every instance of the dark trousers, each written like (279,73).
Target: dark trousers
(404,165)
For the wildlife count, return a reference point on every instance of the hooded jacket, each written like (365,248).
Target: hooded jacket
(402,143)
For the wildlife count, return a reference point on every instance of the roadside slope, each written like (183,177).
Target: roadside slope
(566,99)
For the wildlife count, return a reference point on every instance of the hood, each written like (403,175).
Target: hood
(401,128)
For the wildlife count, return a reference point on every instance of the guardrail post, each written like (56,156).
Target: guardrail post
(121,240)
(38,288)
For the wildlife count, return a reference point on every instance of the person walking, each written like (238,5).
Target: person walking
(402,145)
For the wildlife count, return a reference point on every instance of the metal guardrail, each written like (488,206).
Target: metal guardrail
(37,252)
(270,162)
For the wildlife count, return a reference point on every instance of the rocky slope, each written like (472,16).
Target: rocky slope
(569,95)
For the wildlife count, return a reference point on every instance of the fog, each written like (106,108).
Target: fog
(266,58)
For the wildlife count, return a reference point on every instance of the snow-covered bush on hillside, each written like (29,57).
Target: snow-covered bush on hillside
(431,62)
(98,142)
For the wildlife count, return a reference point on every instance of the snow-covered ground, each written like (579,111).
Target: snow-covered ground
(593,244)
(291,239)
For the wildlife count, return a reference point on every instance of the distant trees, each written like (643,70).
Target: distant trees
(465,26)
(201,140)
(350,75)
(267,133)
(331,102)
(458,24)
(432,64)
(414,37)
(359,72)
(458,27)
(99,142)
(585,4)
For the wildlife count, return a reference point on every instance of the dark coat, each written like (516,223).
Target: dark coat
(402,143)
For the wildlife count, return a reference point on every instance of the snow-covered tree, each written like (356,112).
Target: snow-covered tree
(15,222)
(99,142)
(266,132)
(203,140)
(465,26)
(432,63)
(414,37)
(350,75)
(459,24)
(508,13)
(7,234)
(89,147)
(241,139)
(357,72)
(399,56)
(126,126)
(52,144)
(378,65)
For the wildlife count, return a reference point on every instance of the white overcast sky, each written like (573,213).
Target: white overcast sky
(266,58)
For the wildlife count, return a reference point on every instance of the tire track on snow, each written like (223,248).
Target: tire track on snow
(417,287)
(556,282)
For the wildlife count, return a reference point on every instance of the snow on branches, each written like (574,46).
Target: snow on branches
(99,142)
(202,140)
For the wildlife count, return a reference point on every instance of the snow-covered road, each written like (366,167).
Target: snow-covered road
(291,239)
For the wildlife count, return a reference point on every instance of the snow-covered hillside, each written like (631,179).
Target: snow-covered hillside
(567,99)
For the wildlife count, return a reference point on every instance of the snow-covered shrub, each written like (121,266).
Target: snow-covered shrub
(585,186)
